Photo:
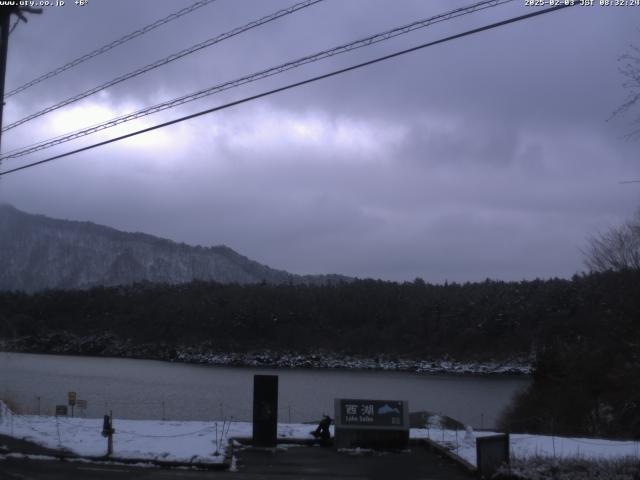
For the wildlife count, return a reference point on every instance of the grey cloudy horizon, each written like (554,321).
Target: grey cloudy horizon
(486,157)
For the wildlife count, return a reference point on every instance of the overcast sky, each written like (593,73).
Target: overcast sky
(488,156)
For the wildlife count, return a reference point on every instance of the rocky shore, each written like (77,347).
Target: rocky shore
(107,345)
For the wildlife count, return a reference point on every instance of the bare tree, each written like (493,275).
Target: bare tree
(630,70)
(616,249)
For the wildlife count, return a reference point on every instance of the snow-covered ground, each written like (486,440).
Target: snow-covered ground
(529,446)
(185,441)
(190,441)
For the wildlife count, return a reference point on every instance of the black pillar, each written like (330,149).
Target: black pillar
(265,410)
(5,25)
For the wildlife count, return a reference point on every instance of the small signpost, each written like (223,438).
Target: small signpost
(371,423)
(61,410)
(72,401)
(82,405)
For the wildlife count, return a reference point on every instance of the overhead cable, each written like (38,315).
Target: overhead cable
(293,85)
(166,60)
(363,42)
(109,46)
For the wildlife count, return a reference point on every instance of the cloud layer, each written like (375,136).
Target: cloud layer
(489,156)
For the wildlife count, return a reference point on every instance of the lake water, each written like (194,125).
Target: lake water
(148,389)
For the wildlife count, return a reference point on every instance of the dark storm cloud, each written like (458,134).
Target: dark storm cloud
(485,157)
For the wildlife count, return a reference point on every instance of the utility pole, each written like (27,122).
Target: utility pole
(5,25)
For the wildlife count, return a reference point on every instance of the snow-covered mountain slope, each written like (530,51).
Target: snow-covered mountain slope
(38,252)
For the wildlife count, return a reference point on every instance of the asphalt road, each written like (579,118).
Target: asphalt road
(22,469)
(325,463)
(292,463)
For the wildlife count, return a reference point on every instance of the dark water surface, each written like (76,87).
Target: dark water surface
(155,390)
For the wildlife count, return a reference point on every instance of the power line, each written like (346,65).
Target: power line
(294,85)
(363,42)
(109,46)
(166,60)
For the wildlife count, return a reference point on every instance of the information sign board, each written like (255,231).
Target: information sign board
(81,404)
(61,410)
(72,399)
(371,423)
(372,413)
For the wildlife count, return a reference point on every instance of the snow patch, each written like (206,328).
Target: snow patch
(203,442)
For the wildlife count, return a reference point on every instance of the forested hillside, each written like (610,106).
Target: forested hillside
(465,321)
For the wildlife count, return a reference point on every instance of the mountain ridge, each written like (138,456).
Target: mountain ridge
(39,252)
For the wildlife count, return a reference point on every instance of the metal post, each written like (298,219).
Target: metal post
(456,439)
(110,437)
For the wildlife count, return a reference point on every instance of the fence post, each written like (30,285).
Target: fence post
(108,431)
(456,439)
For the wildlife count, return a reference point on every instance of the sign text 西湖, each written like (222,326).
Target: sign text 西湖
(388,413)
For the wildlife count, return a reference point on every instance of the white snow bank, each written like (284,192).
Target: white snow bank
(141,439)
(189,441)
(528,446)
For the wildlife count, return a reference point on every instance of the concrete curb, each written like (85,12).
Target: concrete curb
(67,456)
(430,444)
(163,463)
(128,461)
(247,441)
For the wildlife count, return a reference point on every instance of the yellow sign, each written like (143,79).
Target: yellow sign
(72,399)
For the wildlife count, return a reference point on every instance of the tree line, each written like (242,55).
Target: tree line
(466,321)
(584,332)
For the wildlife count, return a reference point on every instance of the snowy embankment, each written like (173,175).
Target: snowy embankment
(195,442)
(334,361)
(107,345)
(206,442)
(524,446)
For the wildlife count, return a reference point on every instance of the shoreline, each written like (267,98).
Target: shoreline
(332,361)
(266,359)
